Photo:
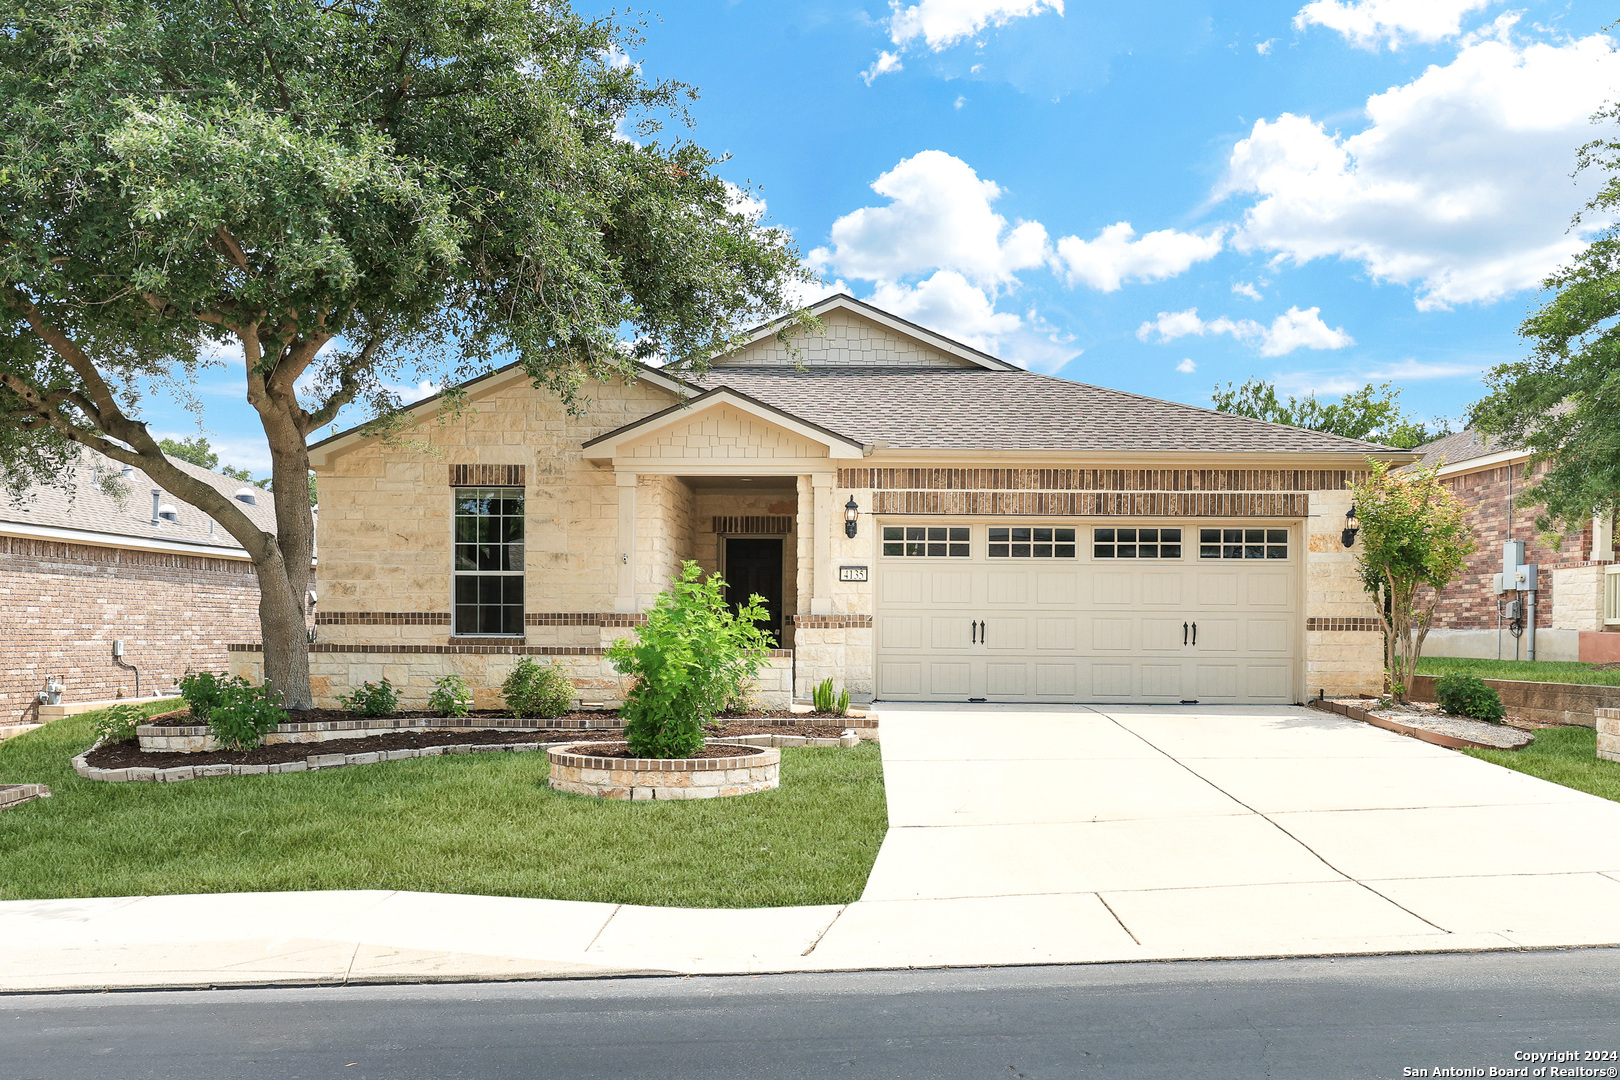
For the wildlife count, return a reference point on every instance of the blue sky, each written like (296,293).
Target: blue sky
(1157,197)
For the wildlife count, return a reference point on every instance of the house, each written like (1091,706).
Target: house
(926,522)
(109,556)
(1576,578)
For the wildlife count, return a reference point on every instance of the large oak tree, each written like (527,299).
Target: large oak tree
(338,189)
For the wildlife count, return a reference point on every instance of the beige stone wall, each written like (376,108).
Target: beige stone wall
(1337,661)
(664,534)
(721,432)
(849,340)
(847,654)
(1578,597)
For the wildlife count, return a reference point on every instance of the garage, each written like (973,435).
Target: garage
(1203,612)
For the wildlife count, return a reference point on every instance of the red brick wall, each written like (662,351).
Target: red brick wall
(62,605)
(1469,604)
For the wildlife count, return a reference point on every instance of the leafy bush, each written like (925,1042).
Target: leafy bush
(825,702)
(1467,695)
(201,691)
(372,699)
(692,657)
(245,714)
(450,697)
(118,723)
(533,689)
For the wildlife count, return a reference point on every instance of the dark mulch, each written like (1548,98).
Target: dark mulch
(621,750)
(129,755)
(727,729)
(327,716)
(779,714)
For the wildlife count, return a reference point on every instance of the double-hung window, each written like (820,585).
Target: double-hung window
(488,561)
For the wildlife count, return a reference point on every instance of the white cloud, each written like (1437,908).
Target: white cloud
(1187,367)
(1369,23)
(949,303)
(1459,184)
(740,200)
(1113,257)
(1264,47)
(1294,329)
(1410,370)
(961,100)
(943,23)
(883,65)
(1246,289)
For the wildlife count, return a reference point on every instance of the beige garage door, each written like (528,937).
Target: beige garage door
(1204,612)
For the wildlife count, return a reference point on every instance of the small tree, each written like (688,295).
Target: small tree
(692,657)
(1413,543)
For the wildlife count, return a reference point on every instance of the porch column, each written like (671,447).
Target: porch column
(822,575)
(1602,538)
(626,548)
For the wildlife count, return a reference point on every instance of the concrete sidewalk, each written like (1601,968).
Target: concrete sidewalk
(1141,833)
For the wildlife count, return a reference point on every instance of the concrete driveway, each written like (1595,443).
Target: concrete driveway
(1058,834)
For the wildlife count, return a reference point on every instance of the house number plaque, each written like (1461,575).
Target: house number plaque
(852,573)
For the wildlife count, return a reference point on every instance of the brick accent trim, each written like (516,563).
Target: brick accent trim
(831,622)
(1088,504)
(773,524)
(1357,623)
(487,475)
(107,556)
(583,618)
(1189,480)
(397,650)
(382,618)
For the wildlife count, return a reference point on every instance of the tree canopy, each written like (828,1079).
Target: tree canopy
(1372,413)
(334,189)
(1561,402)
(199,452)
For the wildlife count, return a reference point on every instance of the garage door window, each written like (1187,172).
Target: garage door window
(926,541)
(1136,543)
(1031,542)
(1243,543)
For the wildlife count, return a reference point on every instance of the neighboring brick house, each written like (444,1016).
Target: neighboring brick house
(82,568)
(926,522)
(1487,476)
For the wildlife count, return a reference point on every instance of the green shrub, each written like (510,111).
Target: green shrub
(372,699)
(691,658)
(450,697)
(533,689)
(1467,695)
(118,723)
(201,691)
(244,714)
(825,702)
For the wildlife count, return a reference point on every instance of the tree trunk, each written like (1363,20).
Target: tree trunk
(281,627)
(282,618)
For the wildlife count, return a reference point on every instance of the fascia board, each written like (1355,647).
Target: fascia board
(118,540)
(1488,461)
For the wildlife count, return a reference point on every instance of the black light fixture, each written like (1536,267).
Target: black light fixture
(852,513)
(1352,525)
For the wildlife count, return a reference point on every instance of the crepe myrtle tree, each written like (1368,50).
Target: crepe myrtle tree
(1414,541)
(336,189)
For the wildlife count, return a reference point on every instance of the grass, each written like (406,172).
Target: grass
(1564,755)
(1554,671)
(474,823)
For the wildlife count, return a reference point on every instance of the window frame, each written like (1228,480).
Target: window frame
(1267,545)
(505,573)
(1032,541)
(965,542)
(1135,543)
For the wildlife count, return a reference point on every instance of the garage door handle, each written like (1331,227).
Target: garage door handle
(1195,633)
(1184,633)
(975,627)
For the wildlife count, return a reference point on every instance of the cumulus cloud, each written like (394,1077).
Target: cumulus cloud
(1459,184)
(1187,367)
(1114,257)
(740,200)
(942,23)
(1245,289)
(1370,23)
(1294,329)
(885,63)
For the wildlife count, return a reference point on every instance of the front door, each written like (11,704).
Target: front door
(754,567)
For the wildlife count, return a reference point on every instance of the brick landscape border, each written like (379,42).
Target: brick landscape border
(1450,742)
(309,764)
(1608,734)
(17,794)
(640,779)
(192,738)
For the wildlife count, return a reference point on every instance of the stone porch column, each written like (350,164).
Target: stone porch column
(821,597)
(626,600)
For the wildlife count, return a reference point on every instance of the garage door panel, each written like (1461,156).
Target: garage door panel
(951,587)
(901,632)
(950,679)
(1162,587)
(1268,589)
(900,586)
(1007,586)
(1113,635)
(1163,635)
(1057,680)
(1269,682)
(1112,587)
(1113,682)
(1057,634)
(1216,681)
(901,678)
(1006,634)
(1266,635)
(1162,681)
(1217,588)
(1006,679)
(950,632)
(1057,588)
(1217,635)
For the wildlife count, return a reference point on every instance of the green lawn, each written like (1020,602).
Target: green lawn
(1529,671)
(474,823)
(1564,755)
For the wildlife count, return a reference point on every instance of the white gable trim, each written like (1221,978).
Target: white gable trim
(894,323)
(604,448)
(1487,461)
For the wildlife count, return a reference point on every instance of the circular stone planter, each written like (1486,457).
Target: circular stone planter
(574,768)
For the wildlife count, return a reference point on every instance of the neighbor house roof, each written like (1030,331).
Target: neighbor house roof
(1462,446)
(80,510)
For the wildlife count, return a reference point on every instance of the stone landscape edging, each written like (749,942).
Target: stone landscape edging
(639,779)
(310,764)
(1450,742)
(17,794)
(196,738)
(1547,702)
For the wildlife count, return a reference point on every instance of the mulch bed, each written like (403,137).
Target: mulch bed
(327,716)
(129,755)
(728,729)
(621,750)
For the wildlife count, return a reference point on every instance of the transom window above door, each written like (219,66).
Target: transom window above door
(1031,542)
(1136,543)
(926,541)
(1243,543)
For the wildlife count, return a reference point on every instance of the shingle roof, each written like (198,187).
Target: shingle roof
(1460,446)
(973,409)
(85,507)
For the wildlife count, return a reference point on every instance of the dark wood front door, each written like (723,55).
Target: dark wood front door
(754,566)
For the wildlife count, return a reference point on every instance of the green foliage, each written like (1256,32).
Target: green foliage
(1561,401)
(1413,543)
(202,690)
(692,657)
(372,699)
(1562,755)
(826,702)
(450,697)
(533,689)
(1372,413)
(1467,695)
(118,723)
(1553,671)
(196,451)
(238,714)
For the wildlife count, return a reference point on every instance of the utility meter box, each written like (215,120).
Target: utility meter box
(1525,578)
(1498,586)
(1512,558)
(1512,610)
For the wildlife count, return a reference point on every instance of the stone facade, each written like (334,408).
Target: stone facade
(848,341)
(1608,734)
(62,605)
(575,769)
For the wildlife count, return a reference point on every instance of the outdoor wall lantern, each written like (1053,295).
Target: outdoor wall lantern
(852,512)
(1352,525)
